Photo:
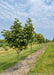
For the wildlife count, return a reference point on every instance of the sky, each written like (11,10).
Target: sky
(40,11)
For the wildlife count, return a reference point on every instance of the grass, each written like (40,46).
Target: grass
(1,44)
(45,63)
(9,58)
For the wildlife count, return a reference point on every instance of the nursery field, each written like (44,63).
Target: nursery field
(45,63)
(9,58)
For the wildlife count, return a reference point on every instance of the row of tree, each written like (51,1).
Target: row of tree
(19,36)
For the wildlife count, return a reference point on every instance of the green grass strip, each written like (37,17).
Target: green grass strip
(45,63)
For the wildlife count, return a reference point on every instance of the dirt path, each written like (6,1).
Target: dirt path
(24,64)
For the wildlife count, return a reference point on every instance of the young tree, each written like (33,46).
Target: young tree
(28,31)
(16,37)
(47,40)
(40,38)
(35,37)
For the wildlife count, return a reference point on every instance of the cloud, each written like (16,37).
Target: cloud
(9,11)
(6,4)
(48,2)
(41,12)
(32,0)
(11,0)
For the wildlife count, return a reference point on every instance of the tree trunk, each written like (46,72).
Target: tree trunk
(31,49)
(17,58)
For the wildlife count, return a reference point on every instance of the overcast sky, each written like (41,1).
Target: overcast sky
(40,11)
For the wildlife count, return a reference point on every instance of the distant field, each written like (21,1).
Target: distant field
(9,58)
(45,63)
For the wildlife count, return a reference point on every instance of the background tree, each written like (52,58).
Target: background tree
(47,41)
(28,31)
(40,38)
(35,36)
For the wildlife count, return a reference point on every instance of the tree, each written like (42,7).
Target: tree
(28,31)
(40,38)
(16,37)
(47,40)
(53,40)
(35,36)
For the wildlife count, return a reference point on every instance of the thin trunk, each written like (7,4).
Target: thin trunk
(31,49)
(17,58)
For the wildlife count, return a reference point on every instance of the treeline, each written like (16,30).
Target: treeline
(39,38)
